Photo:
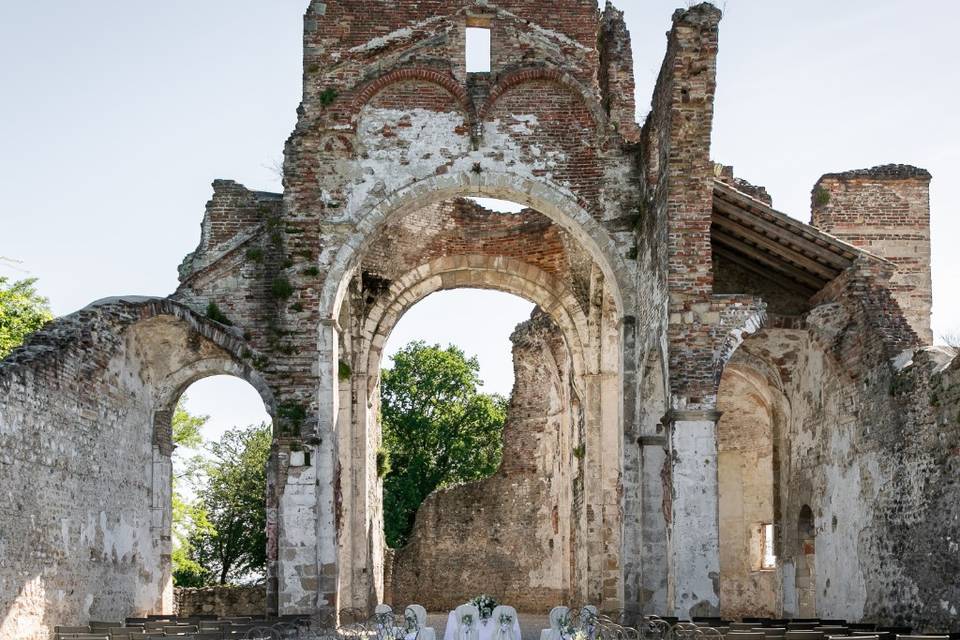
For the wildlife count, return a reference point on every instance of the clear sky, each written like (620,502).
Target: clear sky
(116,115)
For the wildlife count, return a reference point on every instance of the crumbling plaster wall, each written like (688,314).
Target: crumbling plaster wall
(870,447)
(84,470)
(509,535)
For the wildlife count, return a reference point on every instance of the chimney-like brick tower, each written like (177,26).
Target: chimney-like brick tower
(885,210)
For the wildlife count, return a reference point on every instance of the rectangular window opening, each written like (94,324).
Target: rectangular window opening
(768,558)
(478,50)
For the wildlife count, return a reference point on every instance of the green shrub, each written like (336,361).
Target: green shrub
(214,313)
(281,289)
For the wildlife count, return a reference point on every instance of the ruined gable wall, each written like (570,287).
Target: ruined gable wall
(257,263)
(508,535)
(84,475)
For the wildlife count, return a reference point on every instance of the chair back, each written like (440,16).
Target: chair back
(558,617)
(421,614)
(504,618)
(468,622)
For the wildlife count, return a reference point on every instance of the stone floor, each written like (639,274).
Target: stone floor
(530,624)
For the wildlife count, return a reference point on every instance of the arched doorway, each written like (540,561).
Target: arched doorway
(222,436)
(753,409)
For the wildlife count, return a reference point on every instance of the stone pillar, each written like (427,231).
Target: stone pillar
(695,520)
(161,513)
(307,479)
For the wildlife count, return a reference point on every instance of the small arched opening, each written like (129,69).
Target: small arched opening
(806,560)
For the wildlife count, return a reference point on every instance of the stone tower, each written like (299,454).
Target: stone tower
(885,210)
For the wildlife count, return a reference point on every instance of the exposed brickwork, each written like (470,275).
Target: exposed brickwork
(885,210)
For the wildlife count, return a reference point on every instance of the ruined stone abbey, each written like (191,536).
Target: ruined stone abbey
(718,409)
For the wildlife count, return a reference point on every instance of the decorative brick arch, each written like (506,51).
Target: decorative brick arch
(565,80)
(552,201)
(479,272)
(375,86)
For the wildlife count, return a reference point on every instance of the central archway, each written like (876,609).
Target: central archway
(365,305)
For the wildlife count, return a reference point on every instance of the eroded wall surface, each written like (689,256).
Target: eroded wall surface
(509,535)
(84,474)
(867,453)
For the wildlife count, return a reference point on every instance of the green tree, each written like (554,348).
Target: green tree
(22,311)
(186,426)
(231,540)
(189,518)
(438,429)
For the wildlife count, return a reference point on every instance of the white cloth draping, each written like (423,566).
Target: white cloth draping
(425,633)
(485,629)
(557,614)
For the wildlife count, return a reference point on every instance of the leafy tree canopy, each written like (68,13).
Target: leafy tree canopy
(22,311)
(228,536)
(438,429)
(186,426)
(188,517)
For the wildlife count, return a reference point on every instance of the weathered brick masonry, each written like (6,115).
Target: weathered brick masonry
(715,365)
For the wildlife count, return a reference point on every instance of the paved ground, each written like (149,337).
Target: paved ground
(530,624)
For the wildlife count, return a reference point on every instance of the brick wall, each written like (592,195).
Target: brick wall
(84,470)
(886,211)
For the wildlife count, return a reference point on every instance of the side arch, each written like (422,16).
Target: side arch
(367,91)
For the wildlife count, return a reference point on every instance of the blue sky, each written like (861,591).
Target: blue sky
(117,115)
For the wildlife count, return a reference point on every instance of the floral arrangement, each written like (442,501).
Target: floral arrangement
(506,619)
(486,604)
(467,620)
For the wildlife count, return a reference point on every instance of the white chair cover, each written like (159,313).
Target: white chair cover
(506,625)
(557,616)
(468,622)
(419,615)
(383,608)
